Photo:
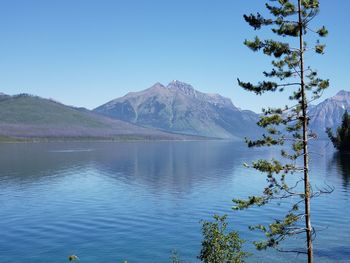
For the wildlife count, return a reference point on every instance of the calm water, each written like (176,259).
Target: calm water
(107,202)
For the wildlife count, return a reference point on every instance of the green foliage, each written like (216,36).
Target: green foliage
(286,126)
(73,258)
(175,258)
(27,109)
(220,246)
(9,139)
(341,140)
(277,231)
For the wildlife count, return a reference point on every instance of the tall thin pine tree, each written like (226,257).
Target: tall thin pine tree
(290,21)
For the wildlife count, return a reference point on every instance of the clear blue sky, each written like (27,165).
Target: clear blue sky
(84,52)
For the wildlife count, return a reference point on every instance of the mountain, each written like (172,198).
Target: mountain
(179,108)
(27,116)
(3,96)
(329,113)
(175,111)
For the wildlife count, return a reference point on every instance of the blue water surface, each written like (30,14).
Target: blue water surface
(139,201)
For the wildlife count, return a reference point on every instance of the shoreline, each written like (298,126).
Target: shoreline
(12,140)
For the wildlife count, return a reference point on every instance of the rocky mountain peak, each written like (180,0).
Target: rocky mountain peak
(342,95)
(182,87)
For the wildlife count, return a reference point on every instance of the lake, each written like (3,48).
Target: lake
(107,202)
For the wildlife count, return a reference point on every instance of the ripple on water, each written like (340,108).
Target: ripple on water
(138,201)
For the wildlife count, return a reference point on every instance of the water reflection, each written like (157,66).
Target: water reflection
(170,166)
(161,166)
(342,162)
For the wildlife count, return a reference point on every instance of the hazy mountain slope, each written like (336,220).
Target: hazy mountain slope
(26,116)
(329,113)
(178,107)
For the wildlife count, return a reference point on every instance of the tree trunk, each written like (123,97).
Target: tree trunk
(305,144)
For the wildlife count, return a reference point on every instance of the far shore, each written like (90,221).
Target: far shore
(4,139)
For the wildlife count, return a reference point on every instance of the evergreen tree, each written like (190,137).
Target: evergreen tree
(290,21)
(342,139)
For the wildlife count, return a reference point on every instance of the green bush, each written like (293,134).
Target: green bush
(220,246)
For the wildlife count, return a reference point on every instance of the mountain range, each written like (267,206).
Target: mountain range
(175,111)
(30,117)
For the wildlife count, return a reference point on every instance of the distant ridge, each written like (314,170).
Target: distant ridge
(180,108)
(26,116)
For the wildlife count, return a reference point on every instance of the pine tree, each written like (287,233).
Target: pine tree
(287,126)
(342,139)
